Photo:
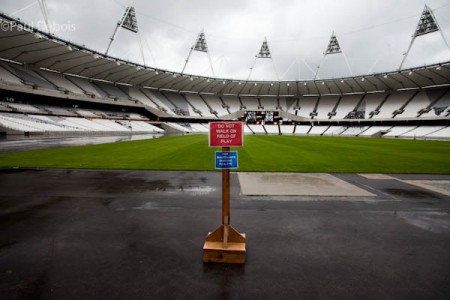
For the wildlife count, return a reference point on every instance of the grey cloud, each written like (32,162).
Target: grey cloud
(372,33)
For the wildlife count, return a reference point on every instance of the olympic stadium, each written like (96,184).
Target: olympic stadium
(108,186)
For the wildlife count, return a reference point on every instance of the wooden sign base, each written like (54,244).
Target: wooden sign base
(224,245)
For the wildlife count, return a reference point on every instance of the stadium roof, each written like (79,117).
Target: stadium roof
(23,44)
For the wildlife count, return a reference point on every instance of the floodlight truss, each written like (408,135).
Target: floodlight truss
(333,45)
(264,52)
(129,20)
(427,24)
(200,45)
(333,48)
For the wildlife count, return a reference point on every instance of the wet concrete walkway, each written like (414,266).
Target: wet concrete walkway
(94,234)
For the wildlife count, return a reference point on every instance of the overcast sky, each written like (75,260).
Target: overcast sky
(373,34)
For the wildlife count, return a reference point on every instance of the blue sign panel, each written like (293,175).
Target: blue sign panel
(226,160)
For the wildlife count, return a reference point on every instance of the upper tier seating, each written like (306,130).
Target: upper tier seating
(29,77)
(250,103)
(269,103)
(420,101)
(393,103)
(179,102)
(233,103)
(216,105)
(87,87)
(111,91)
(307,105)
(137,94)
(61,82)
(346,105)
(325,106)
(8,77)
(199,106)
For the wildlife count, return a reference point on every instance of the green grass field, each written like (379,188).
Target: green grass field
(260,153)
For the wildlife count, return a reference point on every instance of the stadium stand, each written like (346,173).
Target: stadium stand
(440,103)
(141,97)
(335,130)
(272,129)
(216,105)
(85,86)
(422,131)
(110,91)
(233,103)
(302,129)
(269,104)
(443,133)
(7,76)
(60,82)
(354,130)
(180,103)
(179,127)
(257,129)
(287,129)
(57,110)
(251,103)
(159,100)
(247,130)
(411,110)
(200,128)
(393,103)
(325,106)
(29,77)
(199,106)
(292,105)
(375,131)
(23,107)
(54,95)
(397,131)
(307,106)
(371,103)
(318,130)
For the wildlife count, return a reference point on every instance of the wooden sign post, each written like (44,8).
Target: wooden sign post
(225,244)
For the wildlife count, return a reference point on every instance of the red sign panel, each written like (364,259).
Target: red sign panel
(226,134)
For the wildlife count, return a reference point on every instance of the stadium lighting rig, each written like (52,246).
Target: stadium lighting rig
(129,22)
(264,52)
(201,46)
(333,48)
(427,24)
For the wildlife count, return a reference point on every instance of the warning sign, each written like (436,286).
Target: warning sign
(226,134)
(226,160)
